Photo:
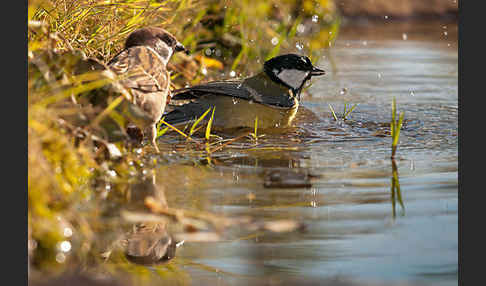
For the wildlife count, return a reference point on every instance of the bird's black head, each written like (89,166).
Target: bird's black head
(291,70)
(157,38)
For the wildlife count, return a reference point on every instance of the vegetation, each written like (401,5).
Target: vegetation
(395,127)
(346,111)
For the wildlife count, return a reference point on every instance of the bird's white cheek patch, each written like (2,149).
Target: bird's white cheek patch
(292,77)
(161,46)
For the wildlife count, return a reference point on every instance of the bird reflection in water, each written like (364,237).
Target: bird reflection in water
(149,242)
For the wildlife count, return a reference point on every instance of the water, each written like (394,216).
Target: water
(354,230)
(351,231)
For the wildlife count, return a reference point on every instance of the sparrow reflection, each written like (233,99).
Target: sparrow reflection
(150,242)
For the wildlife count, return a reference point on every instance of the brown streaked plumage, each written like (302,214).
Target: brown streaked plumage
(143,71)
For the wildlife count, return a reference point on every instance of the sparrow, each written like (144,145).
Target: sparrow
(142,69)
(272,96)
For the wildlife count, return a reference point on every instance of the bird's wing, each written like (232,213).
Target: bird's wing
(141,69)
(233,88)
(184,113)
(256,89)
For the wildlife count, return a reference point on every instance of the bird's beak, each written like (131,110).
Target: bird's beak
(315,71)
(180,47)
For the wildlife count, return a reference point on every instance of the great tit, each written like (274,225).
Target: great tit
(141,65)
(272,96)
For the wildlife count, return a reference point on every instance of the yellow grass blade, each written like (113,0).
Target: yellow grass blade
(198,120)
(210,123)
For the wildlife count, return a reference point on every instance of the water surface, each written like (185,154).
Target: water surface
(354,228)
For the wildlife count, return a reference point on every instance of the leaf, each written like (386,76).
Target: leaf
(209,62)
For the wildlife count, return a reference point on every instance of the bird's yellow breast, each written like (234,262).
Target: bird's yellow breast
(234,112)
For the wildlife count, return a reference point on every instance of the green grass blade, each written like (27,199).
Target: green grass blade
(198,120)
(162,132)
(333,113)
(237,60)
(108,109)
(350,110)
(73,91)
(398,128)
(293,30)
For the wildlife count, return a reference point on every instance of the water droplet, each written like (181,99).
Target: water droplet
(232,74)
(235,101)
(300,28)
(208,52)
(404,36)
(315,18)
(274,41)
(65,246)
(204,71)
(299,46)
(60,257)
(68,232)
